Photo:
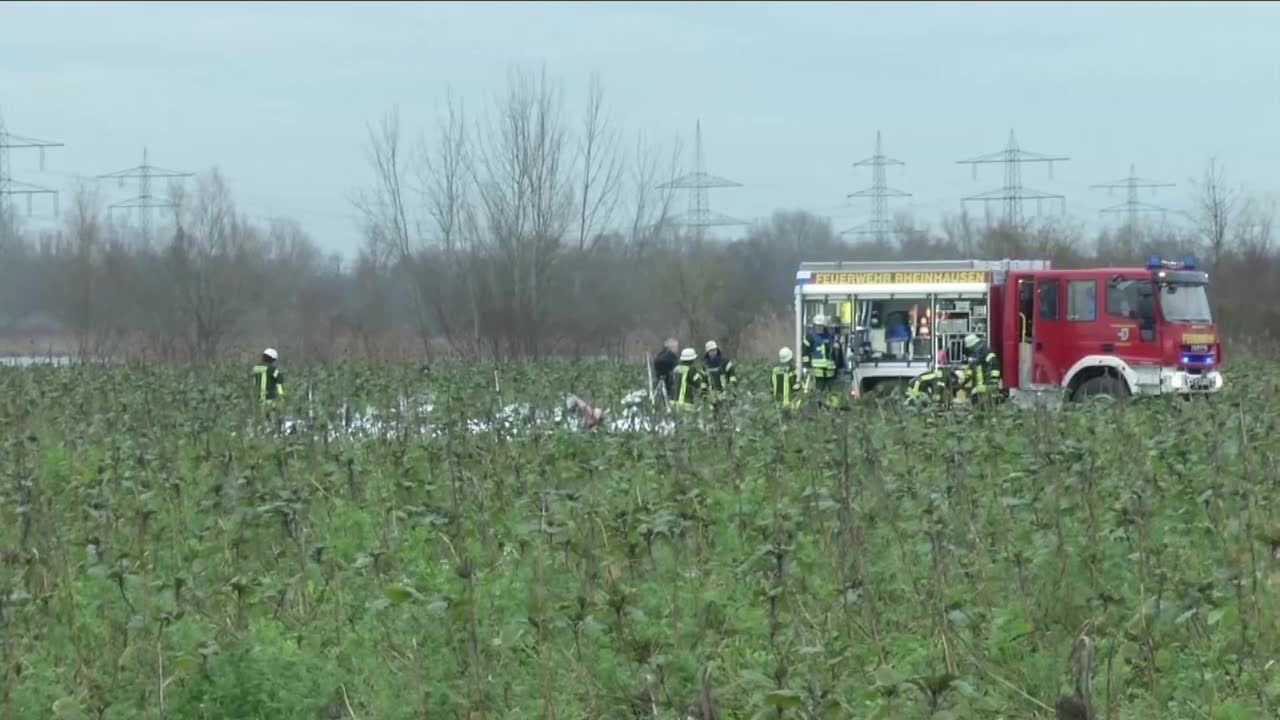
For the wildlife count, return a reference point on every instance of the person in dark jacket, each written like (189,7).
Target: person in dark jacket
(664,366)
(718,368)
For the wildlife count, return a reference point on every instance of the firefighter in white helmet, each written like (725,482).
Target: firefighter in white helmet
(786,385)
(268,381)
(690,381)
(982,372)
(719,369)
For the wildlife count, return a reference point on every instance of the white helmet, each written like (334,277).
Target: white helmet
(784,355)
(688,354)
(711,345)
(970,341)
(271,353)
(820,320)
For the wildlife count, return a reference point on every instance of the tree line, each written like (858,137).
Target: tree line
(523,232)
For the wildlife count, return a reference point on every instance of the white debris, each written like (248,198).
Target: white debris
(417,416)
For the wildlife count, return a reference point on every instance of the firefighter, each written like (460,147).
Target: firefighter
(836,333)
(937,385)
(719,369)
(820,353)
(689,380)
(982,374)
(268,381)
(817,355)
(786,386)
(664,366)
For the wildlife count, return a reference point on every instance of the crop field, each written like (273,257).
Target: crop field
(166,553)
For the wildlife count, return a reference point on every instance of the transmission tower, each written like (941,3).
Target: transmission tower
(10,187)
(879,192)
(1013,193)
(1132,205)
(144,202)
(700,216)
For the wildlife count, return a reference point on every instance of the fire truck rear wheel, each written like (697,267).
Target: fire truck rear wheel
(1104,388)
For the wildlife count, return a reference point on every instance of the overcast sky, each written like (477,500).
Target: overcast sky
(279,95)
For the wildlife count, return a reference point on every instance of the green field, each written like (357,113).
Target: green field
(164,555)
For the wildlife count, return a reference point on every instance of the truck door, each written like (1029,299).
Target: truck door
(1026,328)
(1131,320)
(1045,369)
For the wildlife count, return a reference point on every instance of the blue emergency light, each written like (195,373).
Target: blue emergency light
(1155,262)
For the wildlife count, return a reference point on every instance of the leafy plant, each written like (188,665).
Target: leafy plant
(398,544)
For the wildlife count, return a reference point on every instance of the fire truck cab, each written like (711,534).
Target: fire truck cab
(1111,332)
(1108,332)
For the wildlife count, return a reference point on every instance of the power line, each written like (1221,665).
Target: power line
(144,202)
(700,216)
(1013,193)
(879,193)
(1132,206)
(9,186)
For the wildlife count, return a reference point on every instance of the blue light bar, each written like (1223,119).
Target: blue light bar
(1155,262)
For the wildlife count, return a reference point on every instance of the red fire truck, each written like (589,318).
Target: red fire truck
(1108,332)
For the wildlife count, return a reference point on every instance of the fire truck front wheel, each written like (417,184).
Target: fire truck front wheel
(1102,387)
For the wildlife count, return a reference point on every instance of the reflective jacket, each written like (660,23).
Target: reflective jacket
(984,370)
(689,383)
(786,386)
(818,353)
(268,382)
(927,387)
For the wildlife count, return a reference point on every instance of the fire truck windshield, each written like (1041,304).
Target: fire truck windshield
(1185,303)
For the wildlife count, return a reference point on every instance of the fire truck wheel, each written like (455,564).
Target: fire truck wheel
(1104,387)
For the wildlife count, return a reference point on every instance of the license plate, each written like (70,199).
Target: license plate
(1201,383)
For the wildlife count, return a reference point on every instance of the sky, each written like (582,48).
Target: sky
(279,96)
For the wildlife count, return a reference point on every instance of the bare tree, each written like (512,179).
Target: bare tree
(213,267)
(524,185)
(1217,206)
(600,169)
(387,219)
(959,232)
(650,205)
(1252,235)
(78,285)
(447,175)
